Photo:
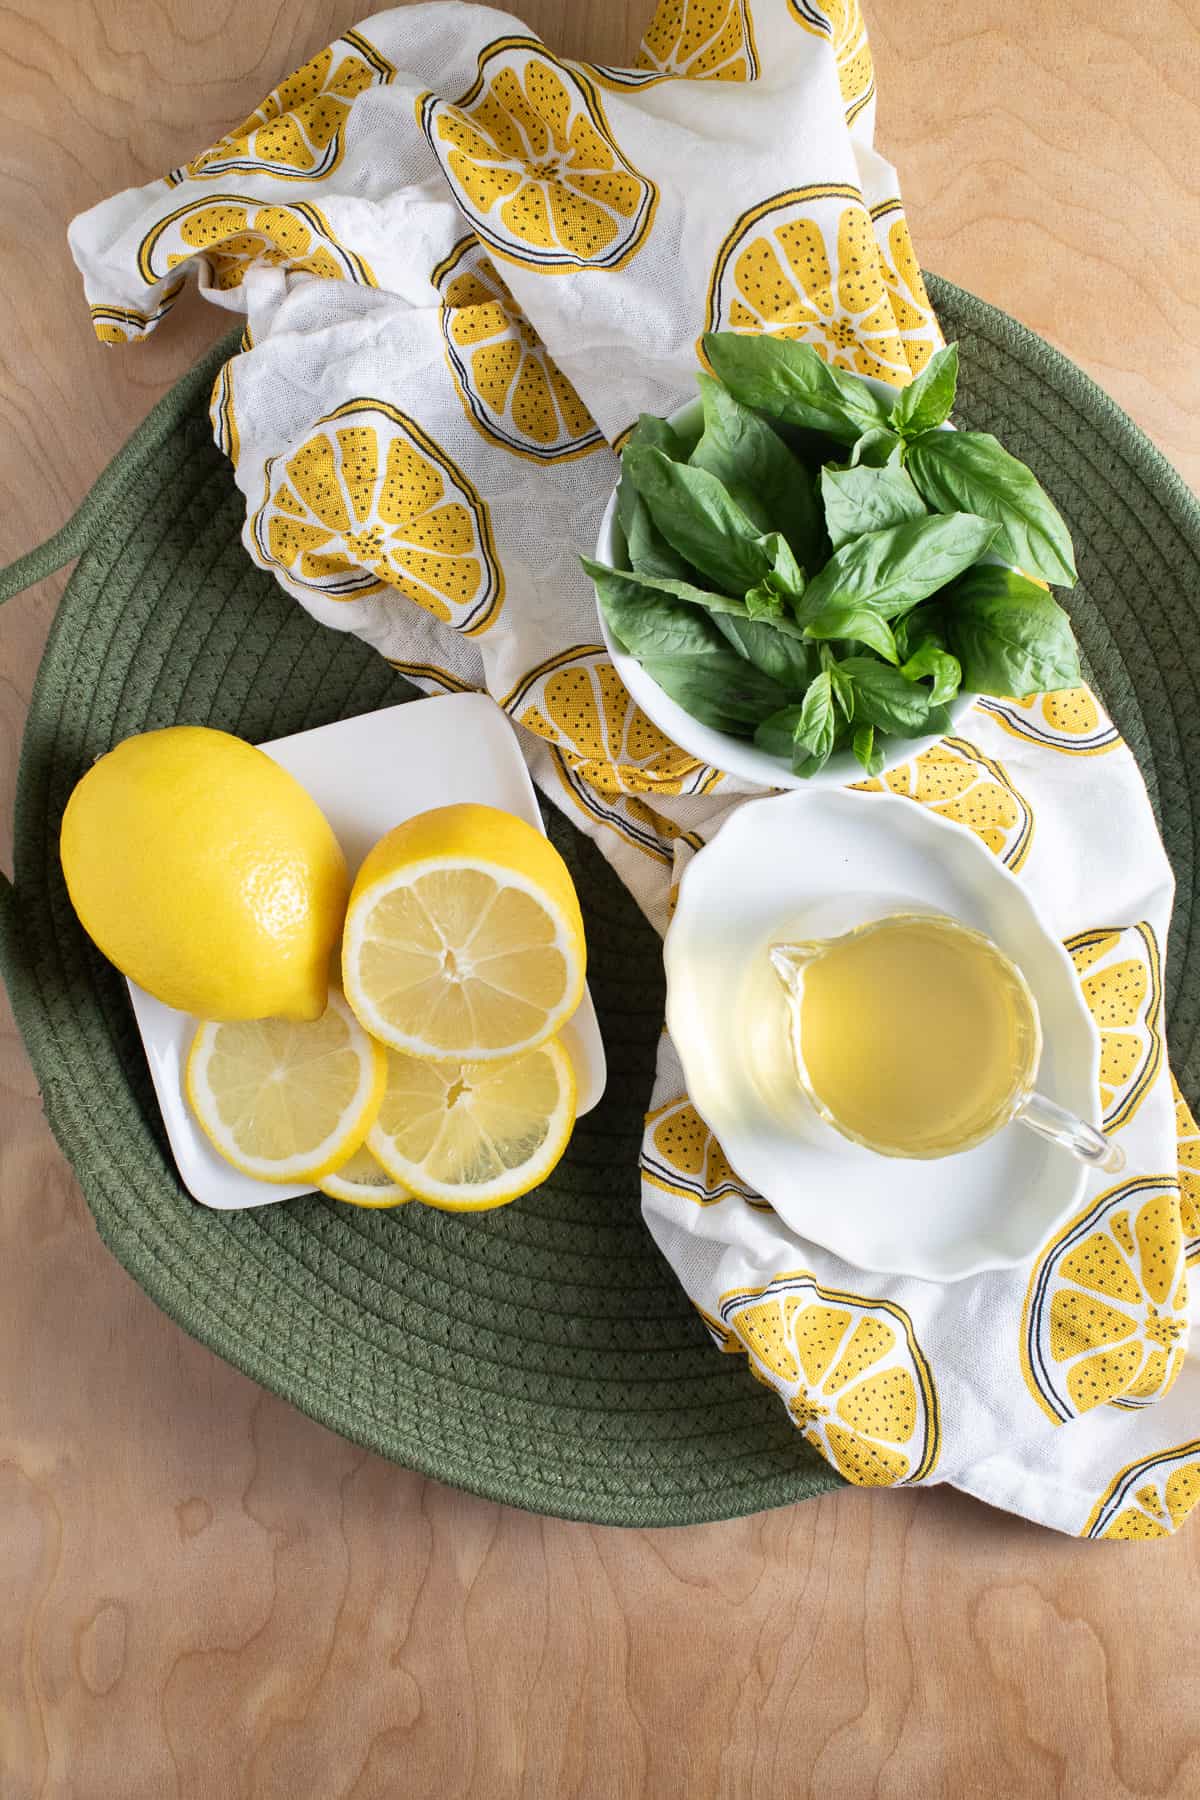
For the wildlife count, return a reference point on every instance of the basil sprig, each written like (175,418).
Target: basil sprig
(825,569)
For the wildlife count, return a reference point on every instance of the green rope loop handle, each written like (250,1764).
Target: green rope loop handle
(68,542)
(76,537)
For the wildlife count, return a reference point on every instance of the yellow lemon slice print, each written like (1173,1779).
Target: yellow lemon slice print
(806,265)
(1071,721)
(850,1372)
(1120,973)
(919,331)
(232,232)
(958,782)
(842,22)
(701,40)
(1187,1133)
(1150,1498)
(510,389)
(533,166)
(580,702)
(726,1341)
(129,324)
(221,414)
(1105,1315)
(681,1156)
(298,133)
(370,502)
(604,747)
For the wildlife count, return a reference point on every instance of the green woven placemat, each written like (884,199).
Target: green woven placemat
(542,1355)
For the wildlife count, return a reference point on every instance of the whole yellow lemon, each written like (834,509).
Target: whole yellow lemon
(207,874)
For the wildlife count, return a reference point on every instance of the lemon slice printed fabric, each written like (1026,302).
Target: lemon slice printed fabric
(465,265)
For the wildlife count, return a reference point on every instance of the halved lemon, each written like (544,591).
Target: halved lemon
(464,939)
(471,1135)
(363,1181)
(286,1100)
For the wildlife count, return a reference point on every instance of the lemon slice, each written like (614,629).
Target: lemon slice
(363,1181)
(286,1100)
(463,938)
(471,1135)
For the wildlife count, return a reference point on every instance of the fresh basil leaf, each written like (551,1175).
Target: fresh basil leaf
(698,518)
(865,499)
(1010,636)
(926,402)
(777,645)
(721,690)
(777,734)
(680,647)
(931,660)
(647,621)
(785,574)
(653,433)
(861,624)
(883,697)
(786,659)
(867,751)
(970,471)
(766,602)
(791,382)
(924,625)
(653,586)
(756,467)
(816,727)
(891,571)
(843,688)
(648,550)
(878,448)
(804,735)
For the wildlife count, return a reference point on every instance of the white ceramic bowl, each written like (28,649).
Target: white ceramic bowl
(739,756)
(810,864)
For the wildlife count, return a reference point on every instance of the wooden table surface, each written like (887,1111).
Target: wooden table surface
(204,1595)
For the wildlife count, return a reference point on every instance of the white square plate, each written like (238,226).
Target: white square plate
(367,775)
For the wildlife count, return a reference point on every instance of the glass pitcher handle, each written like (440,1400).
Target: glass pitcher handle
(1061,1127)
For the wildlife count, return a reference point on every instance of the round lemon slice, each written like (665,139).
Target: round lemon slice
(464,939)
(471,1135)
(363,1181)
(286,1100)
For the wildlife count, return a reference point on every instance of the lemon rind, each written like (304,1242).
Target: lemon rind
(354,1194)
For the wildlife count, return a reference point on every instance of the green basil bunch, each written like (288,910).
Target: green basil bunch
(783,590)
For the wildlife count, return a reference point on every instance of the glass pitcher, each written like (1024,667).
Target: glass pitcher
(914,1035)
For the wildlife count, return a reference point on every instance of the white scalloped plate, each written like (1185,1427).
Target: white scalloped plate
(806,865)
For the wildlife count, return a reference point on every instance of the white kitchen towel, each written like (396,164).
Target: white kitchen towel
(466,266)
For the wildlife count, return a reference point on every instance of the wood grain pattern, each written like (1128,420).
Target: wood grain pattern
(204,1595)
